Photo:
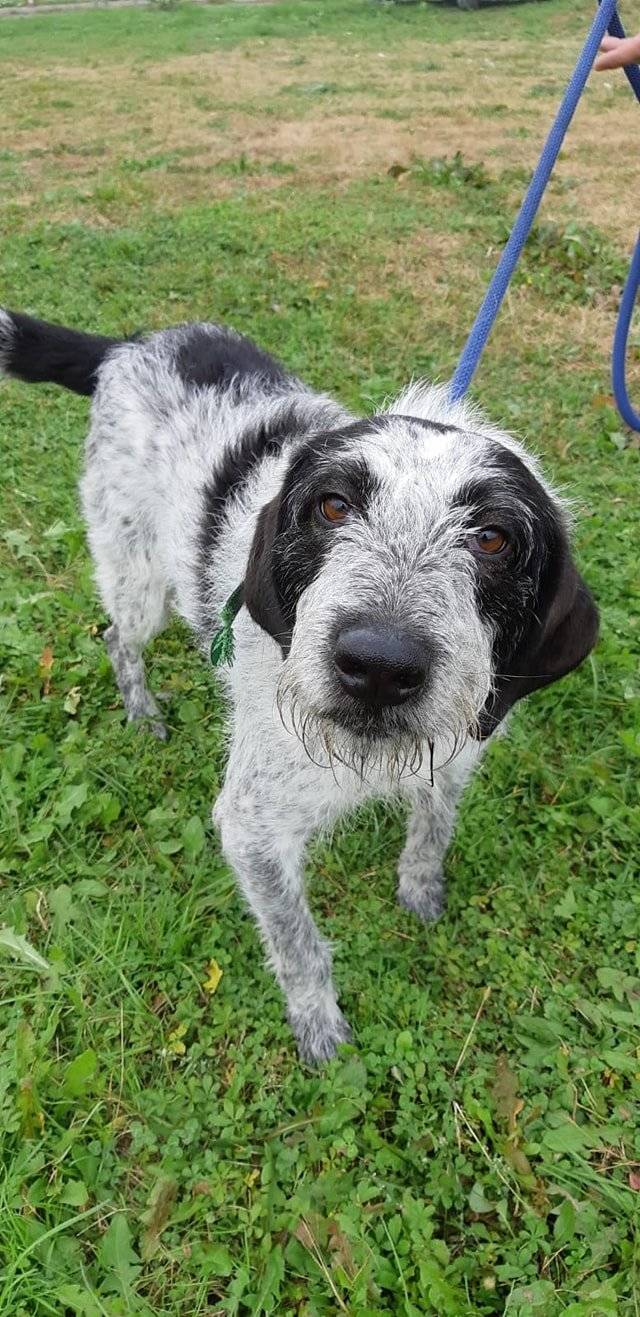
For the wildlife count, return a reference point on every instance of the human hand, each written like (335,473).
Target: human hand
(616,52)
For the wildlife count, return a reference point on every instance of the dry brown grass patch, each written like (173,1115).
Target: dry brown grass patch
(333,111)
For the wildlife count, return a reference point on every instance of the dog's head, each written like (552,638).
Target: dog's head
(417,575)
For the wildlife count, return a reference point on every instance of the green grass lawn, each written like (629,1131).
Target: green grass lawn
(162,1150)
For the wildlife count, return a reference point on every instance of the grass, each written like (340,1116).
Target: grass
(162,1150)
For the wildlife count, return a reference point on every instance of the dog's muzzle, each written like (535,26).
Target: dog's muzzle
(380,666)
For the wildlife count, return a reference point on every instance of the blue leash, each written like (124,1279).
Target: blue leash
(606,19)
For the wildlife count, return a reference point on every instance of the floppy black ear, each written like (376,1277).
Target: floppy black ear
(260,595)
(559,645)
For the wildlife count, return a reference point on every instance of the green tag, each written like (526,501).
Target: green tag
(222,643)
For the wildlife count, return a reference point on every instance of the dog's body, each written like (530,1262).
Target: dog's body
(406,579)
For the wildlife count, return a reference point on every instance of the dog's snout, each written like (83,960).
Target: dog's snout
(380,666)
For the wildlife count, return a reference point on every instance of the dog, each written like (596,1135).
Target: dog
(405,579)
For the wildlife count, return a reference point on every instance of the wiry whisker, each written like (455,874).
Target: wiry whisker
(280,706)
(456,735)
(326,745)
(452,754)
(306,729)
(329,751)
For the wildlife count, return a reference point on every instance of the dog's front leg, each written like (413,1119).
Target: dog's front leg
(267,854)
(421,886)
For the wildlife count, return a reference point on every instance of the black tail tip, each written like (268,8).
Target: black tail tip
(42,353)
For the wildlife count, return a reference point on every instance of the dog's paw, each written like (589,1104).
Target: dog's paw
(155,726)
(319,1033)
(428,902)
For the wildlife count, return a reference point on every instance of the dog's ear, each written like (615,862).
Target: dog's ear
(260,595)
(559,645)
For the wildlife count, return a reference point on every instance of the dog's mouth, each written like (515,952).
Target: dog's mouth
(392,736)
(367,746)
(397,741)
(369,725)
(355,738)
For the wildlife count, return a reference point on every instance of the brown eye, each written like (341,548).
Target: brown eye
(490,541)
(334,509)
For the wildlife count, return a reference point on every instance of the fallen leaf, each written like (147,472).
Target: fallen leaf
(312,1231)
(45,665)
(505,1093)
(508,1107)
(174,1041)
(516,1158)
(634,1180)
(304,1236)
(29,1109)
(214,974)
(156,1216)
(341,1249)
(72,700)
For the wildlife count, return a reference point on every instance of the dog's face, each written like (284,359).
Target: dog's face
(419,581)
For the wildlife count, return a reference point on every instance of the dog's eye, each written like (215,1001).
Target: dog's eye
(489,541)
(333,509)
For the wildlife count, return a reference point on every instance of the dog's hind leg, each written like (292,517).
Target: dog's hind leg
(135,597)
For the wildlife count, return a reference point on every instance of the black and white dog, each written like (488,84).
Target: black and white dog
(407,578)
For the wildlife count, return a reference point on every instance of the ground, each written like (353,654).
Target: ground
(336,178)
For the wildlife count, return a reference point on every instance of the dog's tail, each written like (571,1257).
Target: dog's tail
(39,353)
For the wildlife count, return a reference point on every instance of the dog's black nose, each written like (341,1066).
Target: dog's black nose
(380,666)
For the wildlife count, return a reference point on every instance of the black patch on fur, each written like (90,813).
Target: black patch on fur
(545,621)
(40,353)
(258,442)
(260,594)
(443,427)
(292,543)
(218,357)
(511,498)
(326,464)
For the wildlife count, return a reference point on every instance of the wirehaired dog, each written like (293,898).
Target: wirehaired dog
(406,579)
